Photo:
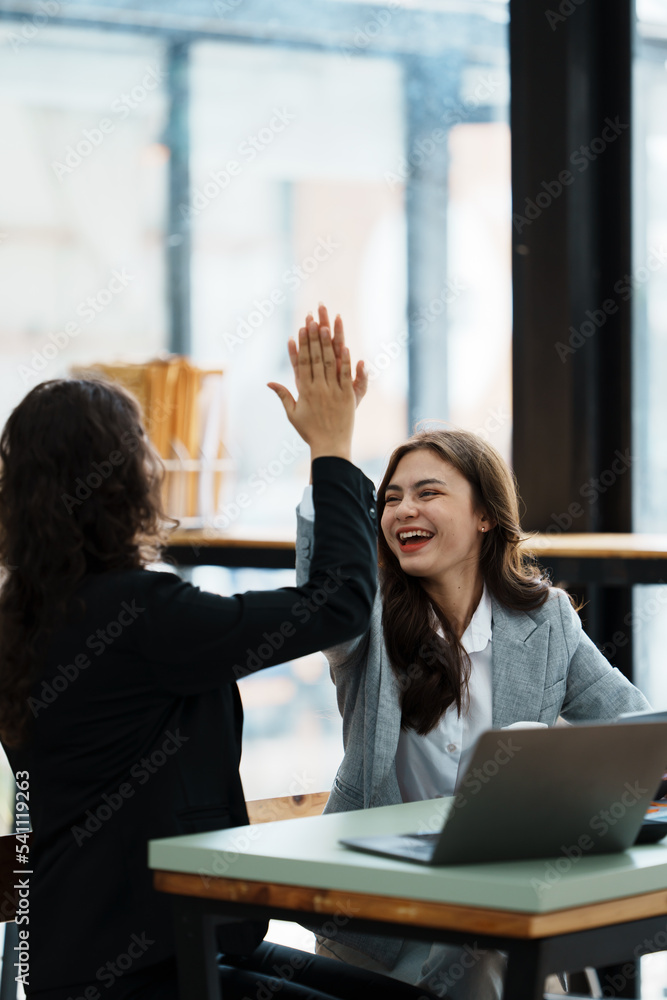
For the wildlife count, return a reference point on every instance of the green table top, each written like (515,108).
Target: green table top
(306,852)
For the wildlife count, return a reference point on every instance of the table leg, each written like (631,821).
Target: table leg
(8,989)
(621,980)
(525,976)
(196,950)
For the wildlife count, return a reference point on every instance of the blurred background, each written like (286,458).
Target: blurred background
(201,196)
(189,179)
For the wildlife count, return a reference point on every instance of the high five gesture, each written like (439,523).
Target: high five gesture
(323,413)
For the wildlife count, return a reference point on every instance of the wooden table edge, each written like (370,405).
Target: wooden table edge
(577,546)
(419,913)
(202,539)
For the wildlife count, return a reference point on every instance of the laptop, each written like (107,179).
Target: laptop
(536,793)
(650,716)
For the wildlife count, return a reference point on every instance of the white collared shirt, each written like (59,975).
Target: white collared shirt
(429,766)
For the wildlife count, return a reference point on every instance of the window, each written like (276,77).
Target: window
(82,220)
(359,156)
(648,286)
(377,181)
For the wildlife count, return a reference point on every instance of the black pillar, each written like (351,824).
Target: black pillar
(571,152)
(571,240)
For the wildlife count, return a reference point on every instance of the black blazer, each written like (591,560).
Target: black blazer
(137,731)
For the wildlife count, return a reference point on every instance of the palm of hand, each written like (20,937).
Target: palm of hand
(360,382)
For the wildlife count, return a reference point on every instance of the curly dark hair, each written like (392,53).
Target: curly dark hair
(432,673)
(80,492)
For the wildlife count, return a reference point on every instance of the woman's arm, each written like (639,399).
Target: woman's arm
(198,640)
(346,653)
(341,654)
(221,639)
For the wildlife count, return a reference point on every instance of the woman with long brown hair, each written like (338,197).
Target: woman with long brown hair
(467,634)
(119,709)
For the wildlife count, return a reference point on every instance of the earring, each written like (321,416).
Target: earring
(483,529)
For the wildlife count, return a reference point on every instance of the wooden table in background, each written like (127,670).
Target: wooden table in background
(203,547)
(619,560)
(600,570)
(609,560)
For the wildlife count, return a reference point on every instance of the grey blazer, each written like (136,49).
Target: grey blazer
(543,665)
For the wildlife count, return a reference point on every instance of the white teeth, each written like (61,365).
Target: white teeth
(404,535)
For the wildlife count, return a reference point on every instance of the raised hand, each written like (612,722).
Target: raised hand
(323,414)
(360,383)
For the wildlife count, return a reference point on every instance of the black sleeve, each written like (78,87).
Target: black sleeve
(196,641)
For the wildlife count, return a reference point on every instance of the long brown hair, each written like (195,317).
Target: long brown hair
(79,493)
(433,673)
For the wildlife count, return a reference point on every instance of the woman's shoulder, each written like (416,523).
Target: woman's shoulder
(139,574)
(557,610)
(558,602)
(132,580)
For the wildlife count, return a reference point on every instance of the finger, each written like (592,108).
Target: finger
(328,356)
(338,337)
(323,315)
(294,358)
(360,384)
(285,396)
(303,366)
(345,367)
(316,360)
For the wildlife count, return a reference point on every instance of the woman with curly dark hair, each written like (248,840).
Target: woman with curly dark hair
(466,635)
(119,710)
(79,494)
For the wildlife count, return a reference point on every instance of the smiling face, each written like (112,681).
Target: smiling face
(429,519)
